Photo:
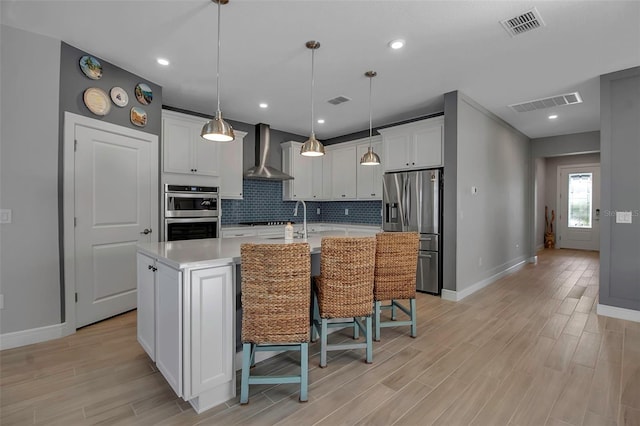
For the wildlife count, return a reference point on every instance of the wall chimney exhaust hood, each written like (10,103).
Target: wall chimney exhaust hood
(261,171)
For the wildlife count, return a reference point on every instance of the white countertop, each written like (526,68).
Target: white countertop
(222,251)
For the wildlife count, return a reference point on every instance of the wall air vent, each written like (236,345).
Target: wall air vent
(553,101)
(528,21)
(338,100)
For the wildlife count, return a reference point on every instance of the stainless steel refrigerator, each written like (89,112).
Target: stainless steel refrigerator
(412,202)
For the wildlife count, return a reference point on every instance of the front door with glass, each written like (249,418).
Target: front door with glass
(579,201)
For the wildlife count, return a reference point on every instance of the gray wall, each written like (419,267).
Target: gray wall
(73,83)
(620,157)
(574,143)
(29,257)
(492,226)
(540,200)
(450,197)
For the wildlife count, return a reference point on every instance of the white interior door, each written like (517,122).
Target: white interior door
(579,201)
(115,205)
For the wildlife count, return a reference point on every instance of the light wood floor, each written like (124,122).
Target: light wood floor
(527,350)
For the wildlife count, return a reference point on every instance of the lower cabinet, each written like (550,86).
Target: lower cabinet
(186,325)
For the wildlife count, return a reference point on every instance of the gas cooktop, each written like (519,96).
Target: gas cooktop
(267,223)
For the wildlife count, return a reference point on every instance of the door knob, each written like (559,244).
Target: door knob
(147,231)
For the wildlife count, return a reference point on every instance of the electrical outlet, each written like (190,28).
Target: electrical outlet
(5,216)
(480,261)
(624,217)
(318,210)
(346,212)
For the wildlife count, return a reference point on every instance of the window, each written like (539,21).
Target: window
(580,199)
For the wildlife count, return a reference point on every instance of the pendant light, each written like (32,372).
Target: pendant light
(217,129)
(370,158)
(312,147)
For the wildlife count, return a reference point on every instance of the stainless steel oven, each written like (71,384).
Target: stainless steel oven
(191,212)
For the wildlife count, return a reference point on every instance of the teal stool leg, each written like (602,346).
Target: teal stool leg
(414,322)
(304,371)
(323,343)
(246,365)
(376,305)
(369,341)
(356,330)
(316,318)
(393,311)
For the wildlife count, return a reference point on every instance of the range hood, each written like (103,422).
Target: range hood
(261,171)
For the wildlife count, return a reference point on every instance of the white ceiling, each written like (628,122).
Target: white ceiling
(451,45)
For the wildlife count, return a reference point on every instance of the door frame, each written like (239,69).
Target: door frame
(559,186)
(72,120)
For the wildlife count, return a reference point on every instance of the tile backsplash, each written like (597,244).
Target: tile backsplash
(263,202)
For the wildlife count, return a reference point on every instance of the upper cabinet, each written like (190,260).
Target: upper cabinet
(415,145)
(344,171)
(369,178)
(184,151)
(308,173)
(231,167)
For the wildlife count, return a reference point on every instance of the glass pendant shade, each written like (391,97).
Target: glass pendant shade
(312,147)
(370,158)
(217,129)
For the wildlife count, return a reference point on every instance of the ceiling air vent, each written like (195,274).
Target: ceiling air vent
(559,100)
(528,21)
(338,100)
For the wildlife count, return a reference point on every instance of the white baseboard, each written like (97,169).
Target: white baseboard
(33,335)
(456,296)
(620,313)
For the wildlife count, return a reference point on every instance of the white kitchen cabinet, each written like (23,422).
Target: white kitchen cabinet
(369,178)
(344,172)
(327,175)
(231,167)
(186,325)
(168,324)
(310,175)
(415,145)
(146,329)
(184,150)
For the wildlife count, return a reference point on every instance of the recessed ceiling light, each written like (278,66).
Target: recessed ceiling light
(396,44)
(163,61)
(264,105)
(553,117)
(320,120)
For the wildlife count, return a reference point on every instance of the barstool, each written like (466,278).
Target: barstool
(395,277)
(343,293)
(276,281)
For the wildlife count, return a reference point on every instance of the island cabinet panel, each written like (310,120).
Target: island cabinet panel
(212,331)
(146,328)
(169,325)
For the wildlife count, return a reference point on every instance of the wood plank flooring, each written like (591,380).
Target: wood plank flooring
(527,350)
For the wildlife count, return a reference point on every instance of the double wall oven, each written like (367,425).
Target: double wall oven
(191,212)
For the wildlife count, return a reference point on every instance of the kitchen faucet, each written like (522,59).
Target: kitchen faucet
(295,213)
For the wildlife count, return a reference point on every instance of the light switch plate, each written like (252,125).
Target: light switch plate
(623,217)
(5,216)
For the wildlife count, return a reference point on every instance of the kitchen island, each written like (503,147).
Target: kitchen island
(187,311)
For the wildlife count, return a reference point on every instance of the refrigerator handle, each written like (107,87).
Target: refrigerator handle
(407,196)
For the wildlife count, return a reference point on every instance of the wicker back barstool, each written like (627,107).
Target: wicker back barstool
(343,293)
(276,286)
(395,277)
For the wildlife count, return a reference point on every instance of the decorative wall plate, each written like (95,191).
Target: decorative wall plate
(144,95)
(91,67)
(97,101)
(138,117)
(119,96)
